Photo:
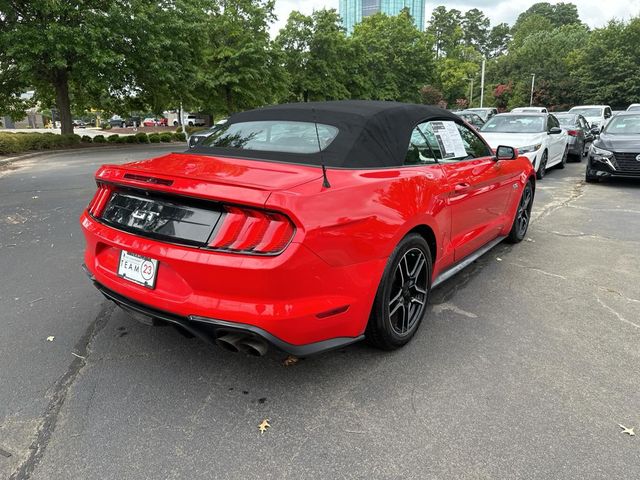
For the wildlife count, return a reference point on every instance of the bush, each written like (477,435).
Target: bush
(166,137)
(122,139)
(105,126)
(130,139)
(192,130)
(180,137)
(70,139)
(141,137)
(86,139)
(154,137)
(8,144)
(99,139)
(113,138)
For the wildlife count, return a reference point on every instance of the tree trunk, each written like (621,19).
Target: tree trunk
(61,83)
(229,100)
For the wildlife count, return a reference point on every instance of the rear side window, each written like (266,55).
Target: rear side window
(273,136)
(444,141)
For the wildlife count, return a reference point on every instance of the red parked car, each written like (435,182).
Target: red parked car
(305,226)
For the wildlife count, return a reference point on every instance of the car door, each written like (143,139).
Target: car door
(556,142)
(480,188)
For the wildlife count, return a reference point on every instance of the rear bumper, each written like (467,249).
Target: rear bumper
(292,300)
(208,329)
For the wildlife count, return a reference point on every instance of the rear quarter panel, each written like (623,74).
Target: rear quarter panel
(365,213)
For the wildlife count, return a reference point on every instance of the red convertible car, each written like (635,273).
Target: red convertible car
(304,226)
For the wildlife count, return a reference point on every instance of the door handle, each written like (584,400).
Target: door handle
(461,187)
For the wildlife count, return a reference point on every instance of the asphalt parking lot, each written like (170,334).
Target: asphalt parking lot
(524,367)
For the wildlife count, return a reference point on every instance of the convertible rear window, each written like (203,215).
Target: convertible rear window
(273,136)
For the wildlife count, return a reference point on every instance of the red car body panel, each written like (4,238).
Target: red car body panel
(323,284)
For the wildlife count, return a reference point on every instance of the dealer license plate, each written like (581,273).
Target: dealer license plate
(138,269)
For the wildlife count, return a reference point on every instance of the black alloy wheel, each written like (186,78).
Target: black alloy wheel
(542,170)
(523,215)
(402,296)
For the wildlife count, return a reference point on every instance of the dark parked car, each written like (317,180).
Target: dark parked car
(579,131)
(125,122)
(79,124)
(471,118)
(616,152)
(484,113)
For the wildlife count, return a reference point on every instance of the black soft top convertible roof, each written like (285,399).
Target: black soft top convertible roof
(371,134)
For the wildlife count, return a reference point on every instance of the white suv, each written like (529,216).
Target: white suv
(596,115)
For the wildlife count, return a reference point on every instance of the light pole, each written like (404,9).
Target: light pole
(482,84)
(471,94)
(533,82)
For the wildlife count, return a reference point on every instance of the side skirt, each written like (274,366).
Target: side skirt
(465,262)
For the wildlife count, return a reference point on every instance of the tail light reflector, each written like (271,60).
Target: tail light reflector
(253,231)
(99,200)
(572,133)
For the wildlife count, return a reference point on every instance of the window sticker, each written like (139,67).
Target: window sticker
(449,139)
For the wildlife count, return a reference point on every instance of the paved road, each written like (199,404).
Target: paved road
(524,367)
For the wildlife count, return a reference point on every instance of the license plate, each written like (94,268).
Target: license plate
(138,269)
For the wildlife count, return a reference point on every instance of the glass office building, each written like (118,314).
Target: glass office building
(353,11)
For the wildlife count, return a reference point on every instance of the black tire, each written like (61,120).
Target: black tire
(591,178)
(563,162)
(523,215)
(543,166)
(402,296)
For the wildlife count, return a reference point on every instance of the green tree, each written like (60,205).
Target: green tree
(395,56)
(315,50)
(242,67)
(475,27)
(607,67)
(498,40)
(445,26)
(91,52)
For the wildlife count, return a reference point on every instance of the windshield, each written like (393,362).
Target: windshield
(566,120)
(624,125)
(588,112)
(515,124)
(273,136)
(634,108)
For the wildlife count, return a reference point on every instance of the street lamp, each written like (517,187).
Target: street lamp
(533,82)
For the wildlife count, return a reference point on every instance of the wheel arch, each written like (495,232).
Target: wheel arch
(426,232)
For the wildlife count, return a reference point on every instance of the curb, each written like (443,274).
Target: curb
(6,161)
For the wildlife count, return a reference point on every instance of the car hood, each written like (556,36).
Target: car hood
(512,139)
(619,143)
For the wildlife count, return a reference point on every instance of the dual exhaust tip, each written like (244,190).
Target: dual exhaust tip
(242,342)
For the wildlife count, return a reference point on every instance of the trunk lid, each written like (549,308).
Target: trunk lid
(219,178)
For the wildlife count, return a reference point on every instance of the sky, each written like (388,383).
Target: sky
(594,13)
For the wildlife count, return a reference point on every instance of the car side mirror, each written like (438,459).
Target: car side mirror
(506,153)
(555,130)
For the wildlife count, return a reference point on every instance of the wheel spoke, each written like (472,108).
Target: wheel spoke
(395,303)
(420,263)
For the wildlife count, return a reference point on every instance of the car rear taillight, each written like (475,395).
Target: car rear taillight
(247,230)
(572,133)
(99,201)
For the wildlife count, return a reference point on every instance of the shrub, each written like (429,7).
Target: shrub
(113,138)
(154,137)
(192,130)
(69,139)
(122,139)
(179,137)
(8,144)
(86,139)
(105,126)
(166,137)
(130,139)
(141,137)
(99,139)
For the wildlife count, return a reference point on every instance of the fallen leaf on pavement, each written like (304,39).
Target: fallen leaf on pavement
(290,360)
(264,425)
(50,338)
(629,431)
